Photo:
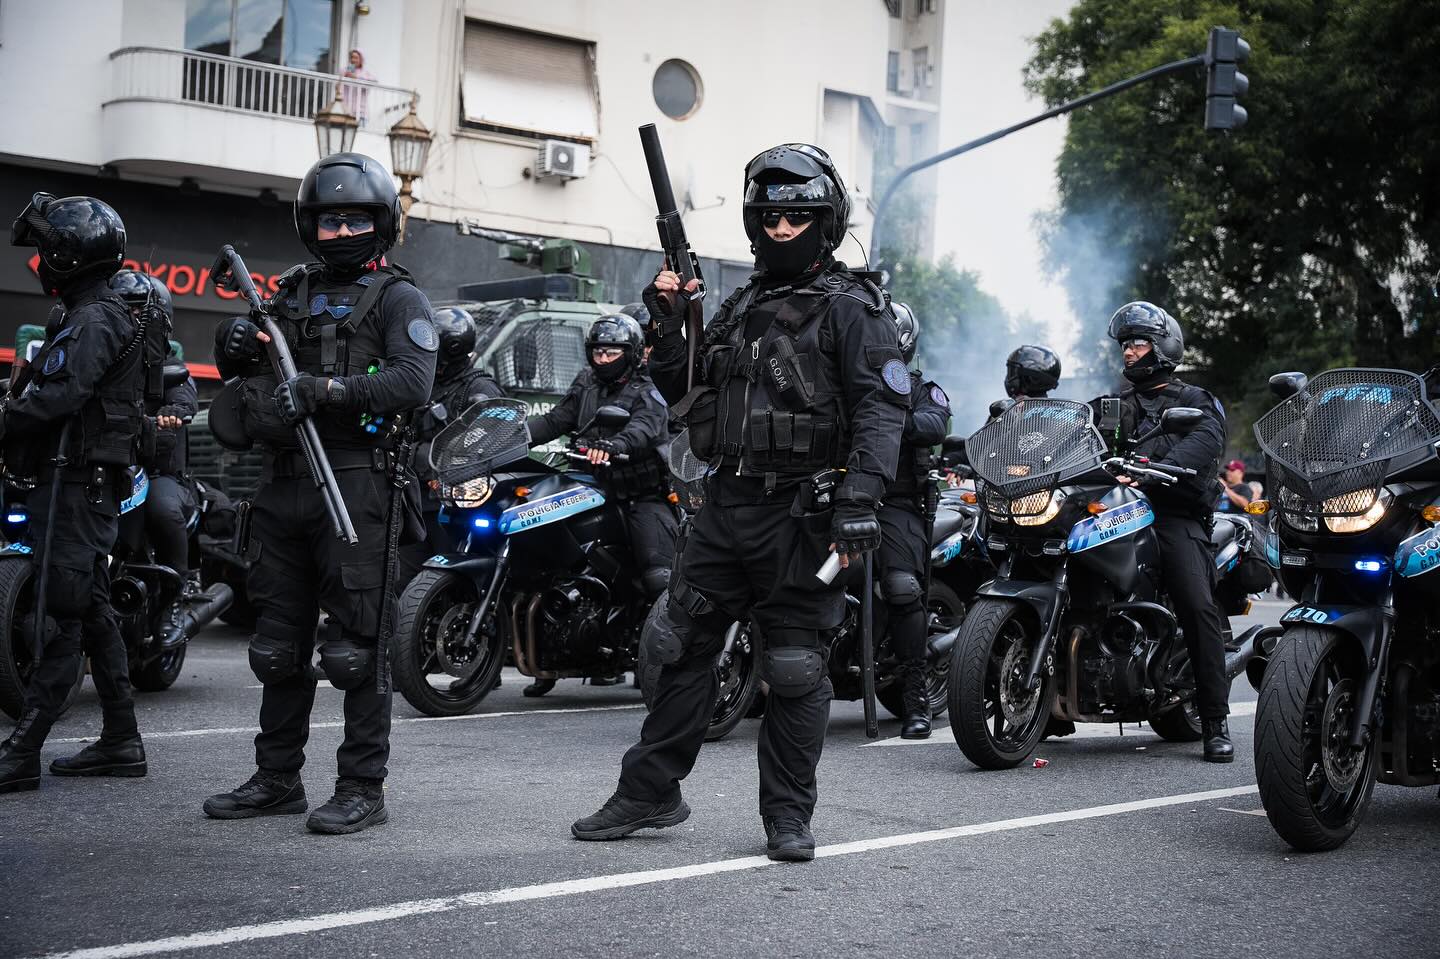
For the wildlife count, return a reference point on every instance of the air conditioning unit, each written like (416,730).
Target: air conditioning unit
(562,158)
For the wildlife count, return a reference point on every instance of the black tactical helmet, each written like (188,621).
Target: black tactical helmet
(345,181)
(80,239)
(1146,321)
(457,332)
(1031,371)
(616,329)
(907,327)
(796,176)
(639,312)
(139,290)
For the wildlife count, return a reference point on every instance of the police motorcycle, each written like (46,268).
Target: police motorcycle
(955,563)
(1074,624)
(543,571)
(1350,693)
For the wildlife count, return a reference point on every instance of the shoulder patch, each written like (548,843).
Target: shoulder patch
(896,376)
(422,334)
(55,362)
(318,302)
(937,396)
(655,395)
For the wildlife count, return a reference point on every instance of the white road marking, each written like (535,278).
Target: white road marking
(624,880)
(232,730)
(1243,812)
(1082,731)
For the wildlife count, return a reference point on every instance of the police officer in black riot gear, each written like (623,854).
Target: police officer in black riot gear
(171,494)
(615,376)
(71,421)
(1153,346)
(459,384)
(364,344)
(799,376)
(905,535)
(1031,372)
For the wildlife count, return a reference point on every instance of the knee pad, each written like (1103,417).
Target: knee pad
(273,659)
(346,662)
(793,671)
(901,588)
(654,580)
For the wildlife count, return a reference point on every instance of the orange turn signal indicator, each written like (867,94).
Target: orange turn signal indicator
(673,499)
(522,491)
(969,497)
(1258,508)
(1095,509)
(1431,514)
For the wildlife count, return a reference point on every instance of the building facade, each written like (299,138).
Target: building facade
(194,118)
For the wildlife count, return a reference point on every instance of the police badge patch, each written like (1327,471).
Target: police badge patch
(937,396)
(54,363)
(896,376)
(422,334)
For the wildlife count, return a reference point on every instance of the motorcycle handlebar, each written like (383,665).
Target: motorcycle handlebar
(614,458)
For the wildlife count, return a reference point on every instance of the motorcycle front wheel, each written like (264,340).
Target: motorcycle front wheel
(1314,787)
(433,666)
(17,602)
(996,721)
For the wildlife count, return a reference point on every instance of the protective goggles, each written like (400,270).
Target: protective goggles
(358,222)
(1136,343)
(607,352)
(771,218)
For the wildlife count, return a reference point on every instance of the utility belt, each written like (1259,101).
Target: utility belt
(291,464)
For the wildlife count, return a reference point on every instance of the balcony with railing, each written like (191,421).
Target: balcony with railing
(228,119)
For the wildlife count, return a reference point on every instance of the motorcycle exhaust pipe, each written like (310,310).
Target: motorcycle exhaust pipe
(938,646)
(195,614)
(1251,647)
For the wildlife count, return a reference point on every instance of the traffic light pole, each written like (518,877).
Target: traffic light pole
(883,207)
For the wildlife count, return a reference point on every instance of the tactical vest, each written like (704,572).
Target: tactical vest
(644,472)
(1195,494)
(334,329)
(109,425)
(779,403)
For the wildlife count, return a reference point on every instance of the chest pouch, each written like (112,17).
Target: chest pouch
(699,411)
(786,377)
(719,364)
(262,416)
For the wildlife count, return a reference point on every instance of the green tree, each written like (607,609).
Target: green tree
(1308,238)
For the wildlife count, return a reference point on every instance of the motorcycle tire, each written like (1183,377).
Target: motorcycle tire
(977,686)
(16,602)
(1178,724)
(946,611)
(420,614)
(1314,794)
(158,674)
(739,682)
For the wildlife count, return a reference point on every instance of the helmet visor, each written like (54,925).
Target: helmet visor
(820,189)
(31,227)
(1137,322)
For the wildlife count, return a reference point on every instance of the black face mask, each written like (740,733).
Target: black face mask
(348,254)
(1146,372)
(792,257)
(612,371)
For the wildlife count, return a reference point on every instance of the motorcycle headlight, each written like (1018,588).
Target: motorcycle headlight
(468,495)
(1037,509)
(1372,504)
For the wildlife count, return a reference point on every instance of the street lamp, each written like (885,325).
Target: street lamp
(409,148)
(335,127)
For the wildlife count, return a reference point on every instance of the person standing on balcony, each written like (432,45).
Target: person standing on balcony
(354,95)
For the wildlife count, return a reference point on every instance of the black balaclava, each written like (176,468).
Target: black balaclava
(346,256)
(611,372)
(787,260)
(1146,372)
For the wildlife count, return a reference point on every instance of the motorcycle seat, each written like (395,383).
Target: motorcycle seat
(947,521)
(1226,529)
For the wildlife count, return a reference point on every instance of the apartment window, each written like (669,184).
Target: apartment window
(291,33)
(892,72)
(920,61)
(529,84)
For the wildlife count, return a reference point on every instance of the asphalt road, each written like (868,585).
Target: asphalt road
(1119,846)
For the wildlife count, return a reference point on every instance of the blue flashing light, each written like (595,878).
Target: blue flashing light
(482,522)
(1369,565)
(15,517)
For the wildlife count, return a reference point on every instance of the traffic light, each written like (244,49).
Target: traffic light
(1224,82)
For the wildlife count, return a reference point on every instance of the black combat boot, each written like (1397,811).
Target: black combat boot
(357,804)
(916,724)
(20,754)
(109,756)
(1218,747)
(267,793)
(538,688)
(788,839)
(621,815)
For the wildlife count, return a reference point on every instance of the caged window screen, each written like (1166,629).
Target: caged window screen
(544,356)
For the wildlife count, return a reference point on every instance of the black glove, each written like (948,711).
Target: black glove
(303,394)
(612,446)
(239,341)
(667,317)
(854,528)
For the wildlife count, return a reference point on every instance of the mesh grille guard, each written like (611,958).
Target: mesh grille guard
(1329,448)
(1029,448)
(687,472)
(491,433)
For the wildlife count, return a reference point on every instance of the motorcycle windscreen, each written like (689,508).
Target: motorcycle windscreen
(1034,446)
(1340,435)
(490,433)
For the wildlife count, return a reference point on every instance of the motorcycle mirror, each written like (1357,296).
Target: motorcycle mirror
(1286,385)
(952,450)
(998,407)
(1180,419)
(612,417)
(173,376)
